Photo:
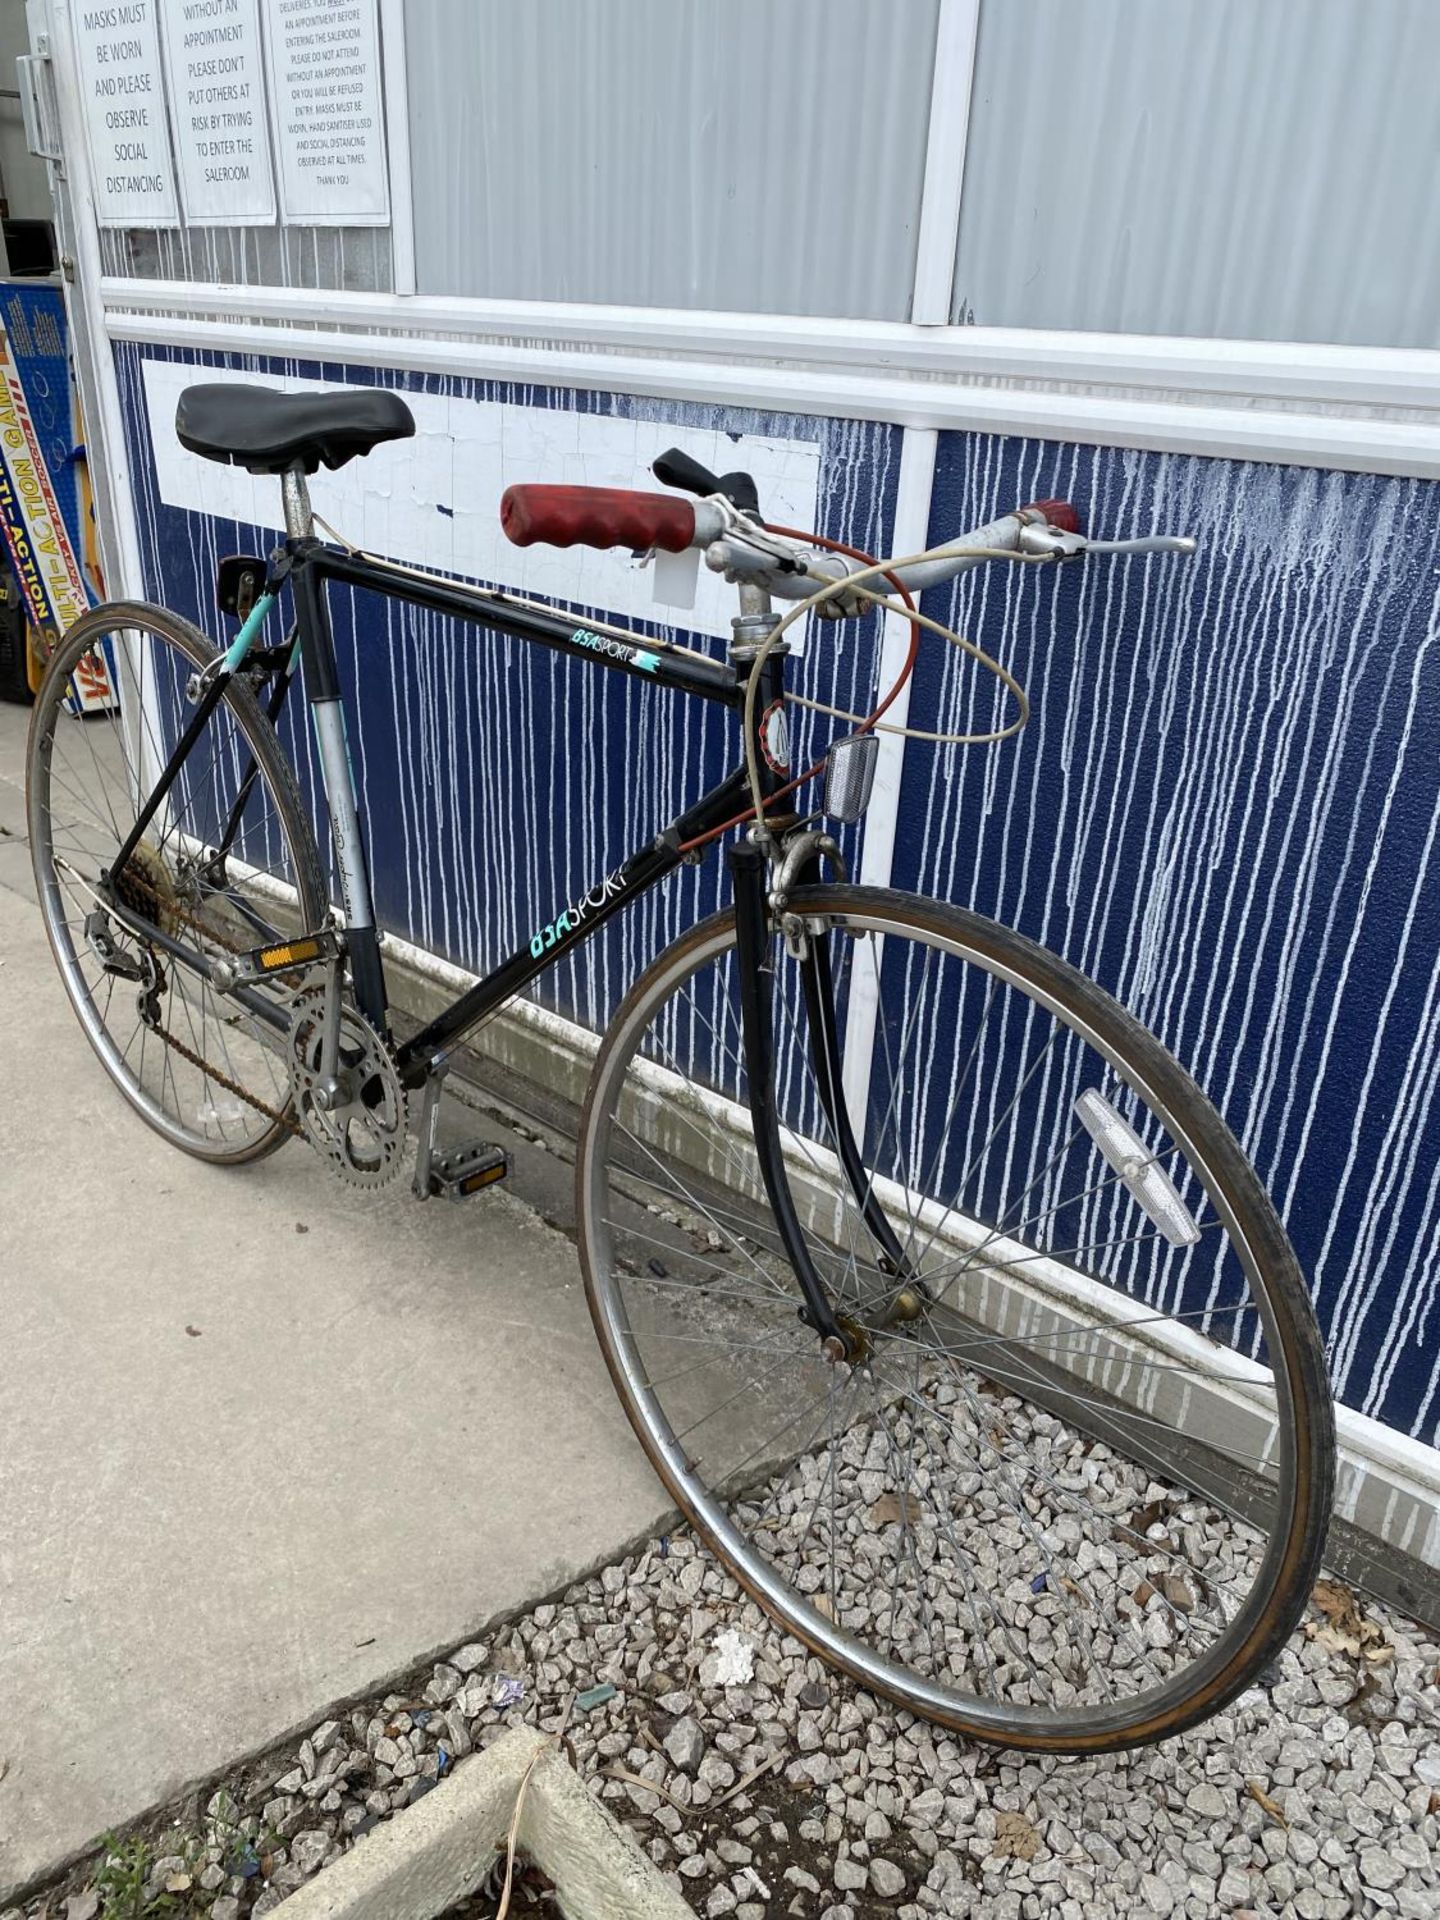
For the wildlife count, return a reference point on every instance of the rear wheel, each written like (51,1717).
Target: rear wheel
(206,1072)
(1072,1491)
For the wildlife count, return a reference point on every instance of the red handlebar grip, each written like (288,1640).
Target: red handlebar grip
(596,517)
(1059,513)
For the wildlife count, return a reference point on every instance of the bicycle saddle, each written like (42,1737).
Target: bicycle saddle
(267,432)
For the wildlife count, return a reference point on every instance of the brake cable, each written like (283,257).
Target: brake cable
(907,668)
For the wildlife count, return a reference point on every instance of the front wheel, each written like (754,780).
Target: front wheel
(1070,1489)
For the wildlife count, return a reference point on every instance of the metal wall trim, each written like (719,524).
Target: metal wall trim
(1341,442)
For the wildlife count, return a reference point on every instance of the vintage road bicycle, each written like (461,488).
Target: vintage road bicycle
(942,1301)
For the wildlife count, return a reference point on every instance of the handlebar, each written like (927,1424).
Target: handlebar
(597,517)
(738,545)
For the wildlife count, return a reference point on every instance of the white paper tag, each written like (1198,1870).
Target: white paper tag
(675,577)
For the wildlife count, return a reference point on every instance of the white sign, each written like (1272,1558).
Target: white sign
(217,109)
(324,63)
(123,94)
(434,501)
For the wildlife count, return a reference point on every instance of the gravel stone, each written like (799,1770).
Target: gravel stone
(308,1849)
(927,1809)
(886,1879)
(445,1682)
(1379,1868)
(685,1744)
(849,1876)
(1156,1893)
(1209,1802)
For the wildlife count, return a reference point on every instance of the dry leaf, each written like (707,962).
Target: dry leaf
(1015,1838)
(1078,1592)
(887,1511)
(1337,1603)
(1264,1801)
(821,1604)
(1332,1641)
(748,1780)
(1177,1593)
(617,1772)
(1346,1628)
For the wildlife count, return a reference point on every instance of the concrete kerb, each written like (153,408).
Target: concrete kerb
(425,1859)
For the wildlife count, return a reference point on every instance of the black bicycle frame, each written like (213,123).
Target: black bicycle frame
(309,565)
(576,921)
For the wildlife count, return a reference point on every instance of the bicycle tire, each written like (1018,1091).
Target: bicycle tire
(612,1177)
(229,1122)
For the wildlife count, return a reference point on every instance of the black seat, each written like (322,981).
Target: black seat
(266,432)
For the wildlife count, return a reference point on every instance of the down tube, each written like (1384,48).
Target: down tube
(571,925)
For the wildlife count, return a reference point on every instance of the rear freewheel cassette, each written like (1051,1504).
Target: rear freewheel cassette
(358,1127)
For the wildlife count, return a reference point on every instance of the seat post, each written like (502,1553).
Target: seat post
(295,493)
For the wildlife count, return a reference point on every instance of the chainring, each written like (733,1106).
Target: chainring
(362,1136)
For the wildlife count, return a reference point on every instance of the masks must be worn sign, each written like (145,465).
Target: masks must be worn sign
(204,112)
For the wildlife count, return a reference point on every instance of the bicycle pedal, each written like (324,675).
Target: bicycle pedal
(465,1170)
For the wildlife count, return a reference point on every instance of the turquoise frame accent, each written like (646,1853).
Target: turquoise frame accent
(241,644)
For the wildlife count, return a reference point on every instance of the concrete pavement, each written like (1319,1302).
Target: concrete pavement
(264,1440)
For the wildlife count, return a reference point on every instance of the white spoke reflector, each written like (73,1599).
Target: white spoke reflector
(1142,1175)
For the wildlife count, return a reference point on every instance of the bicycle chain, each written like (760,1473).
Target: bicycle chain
(231,1086)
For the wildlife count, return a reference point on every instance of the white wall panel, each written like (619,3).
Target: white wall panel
(1250,169)
(746,156)
(434,501)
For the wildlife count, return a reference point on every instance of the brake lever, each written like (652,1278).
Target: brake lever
(1055,544)
(1182,543)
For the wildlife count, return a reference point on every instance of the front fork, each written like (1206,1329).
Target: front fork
(749,872)
(817,986)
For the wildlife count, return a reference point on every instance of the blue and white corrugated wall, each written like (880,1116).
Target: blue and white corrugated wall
(1225,808)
